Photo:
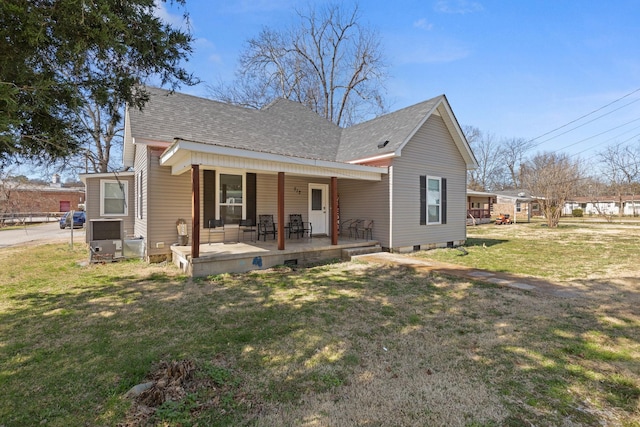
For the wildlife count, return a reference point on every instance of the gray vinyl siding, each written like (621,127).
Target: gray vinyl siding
(430,152)
(366,200)
(296,195)
(168,199)
(92,206)
(92,202)
(141,164)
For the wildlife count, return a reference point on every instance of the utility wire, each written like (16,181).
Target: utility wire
(586,115)
(591,121)
(596,135)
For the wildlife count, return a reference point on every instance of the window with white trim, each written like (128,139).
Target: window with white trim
(434,197)
(113,198)
(231,198)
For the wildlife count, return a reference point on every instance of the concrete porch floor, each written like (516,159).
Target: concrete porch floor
(243,256)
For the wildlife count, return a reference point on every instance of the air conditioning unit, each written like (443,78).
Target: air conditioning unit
(106,229)
(105,239)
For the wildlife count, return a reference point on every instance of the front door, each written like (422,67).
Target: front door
(319,208)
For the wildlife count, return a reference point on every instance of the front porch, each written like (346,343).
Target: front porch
(240,257)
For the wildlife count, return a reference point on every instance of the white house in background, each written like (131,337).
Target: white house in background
(202,160)
(604,205)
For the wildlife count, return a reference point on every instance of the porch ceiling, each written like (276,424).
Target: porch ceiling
(182,154)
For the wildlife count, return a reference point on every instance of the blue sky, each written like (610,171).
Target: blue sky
(510,68)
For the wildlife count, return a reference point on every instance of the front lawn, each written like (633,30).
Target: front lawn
(342,344)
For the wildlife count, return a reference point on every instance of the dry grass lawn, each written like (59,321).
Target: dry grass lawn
(345,344)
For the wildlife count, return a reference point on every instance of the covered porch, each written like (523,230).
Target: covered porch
(259,188)
(243,256)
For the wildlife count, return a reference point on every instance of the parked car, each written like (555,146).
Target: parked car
(79,218)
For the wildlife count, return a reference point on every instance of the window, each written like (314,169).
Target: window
(231,198)
(518,207)
(433,200)
(113,198)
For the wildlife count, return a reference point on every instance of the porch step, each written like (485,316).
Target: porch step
(351,252)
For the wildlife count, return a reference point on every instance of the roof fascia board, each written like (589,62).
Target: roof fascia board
(85,176)
(418,126)
(458,136)
(374,158)
(192,146)
(461,141)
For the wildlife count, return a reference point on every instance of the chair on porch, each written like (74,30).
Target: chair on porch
(354,227)
(216,226)
(367,229)
(266,226)
(246,226)
(298,227)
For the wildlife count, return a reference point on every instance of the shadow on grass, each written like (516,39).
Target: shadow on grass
(474,242)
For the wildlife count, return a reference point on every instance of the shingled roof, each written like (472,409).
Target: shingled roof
(283,127)
(385,134)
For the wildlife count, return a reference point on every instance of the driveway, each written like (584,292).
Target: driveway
(44,233)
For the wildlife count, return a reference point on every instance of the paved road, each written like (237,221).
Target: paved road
(44,233)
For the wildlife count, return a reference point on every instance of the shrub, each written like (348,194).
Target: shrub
(576,212)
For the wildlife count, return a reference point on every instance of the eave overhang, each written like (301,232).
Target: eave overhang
(183,153)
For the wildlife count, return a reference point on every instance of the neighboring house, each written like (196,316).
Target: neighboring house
(20,198)
(479,206)
(200,160)
(517,203)
(604,205)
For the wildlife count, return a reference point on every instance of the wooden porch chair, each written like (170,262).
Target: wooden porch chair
(216,226)
(266,226)
(298,227)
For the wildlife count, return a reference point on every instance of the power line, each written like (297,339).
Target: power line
(590,121)
(586,115)
(596,135)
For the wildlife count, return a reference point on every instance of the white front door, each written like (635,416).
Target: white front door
(319,208)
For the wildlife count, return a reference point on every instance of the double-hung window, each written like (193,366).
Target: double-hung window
(113,198)
(433,200)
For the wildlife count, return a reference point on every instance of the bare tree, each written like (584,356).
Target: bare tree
(621,167)
(513,151)
(552,179)
(329,62)
(490,172)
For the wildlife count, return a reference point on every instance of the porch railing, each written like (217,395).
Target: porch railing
(479,213)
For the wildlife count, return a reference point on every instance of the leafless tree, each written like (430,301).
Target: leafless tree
(329,62)
(621,167)
(552,179)
(490,172)
(513,151)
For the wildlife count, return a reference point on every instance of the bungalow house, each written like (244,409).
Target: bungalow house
(517,203)
(201,160)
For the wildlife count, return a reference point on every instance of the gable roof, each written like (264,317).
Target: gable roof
(283,127)
(361,140)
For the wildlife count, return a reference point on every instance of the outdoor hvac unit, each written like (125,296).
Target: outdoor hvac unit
(105,239)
